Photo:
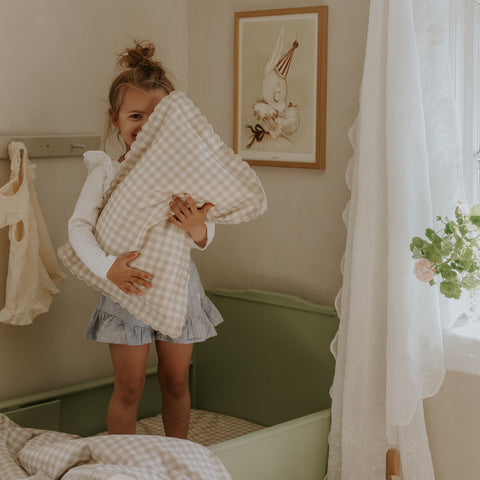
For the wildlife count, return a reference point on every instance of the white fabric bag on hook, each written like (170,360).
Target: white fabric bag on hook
(33,271)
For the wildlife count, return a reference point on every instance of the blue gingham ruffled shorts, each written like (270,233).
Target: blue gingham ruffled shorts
(112,323)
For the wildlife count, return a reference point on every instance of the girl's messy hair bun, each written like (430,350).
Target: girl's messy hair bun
(140,56)
(139,70)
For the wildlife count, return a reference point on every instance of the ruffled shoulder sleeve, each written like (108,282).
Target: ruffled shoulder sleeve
(94,159)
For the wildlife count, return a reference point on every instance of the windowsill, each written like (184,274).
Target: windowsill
(462,348)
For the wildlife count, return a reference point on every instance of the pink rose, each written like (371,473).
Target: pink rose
(423,270)
(463,208)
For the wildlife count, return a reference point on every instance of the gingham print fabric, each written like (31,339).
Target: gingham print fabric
(57,455)
(206,428)
(177,152)
(14,440)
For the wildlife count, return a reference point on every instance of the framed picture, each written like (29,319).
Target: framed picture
(280,81)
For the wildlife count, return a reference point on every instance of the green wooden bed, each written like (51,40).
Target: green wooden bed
(270,365)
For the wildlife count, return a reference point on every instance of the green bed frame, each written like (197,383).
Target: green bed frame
(270,364)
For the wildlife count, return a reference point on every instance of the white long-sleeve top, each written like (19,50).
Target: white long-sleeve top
(81,226)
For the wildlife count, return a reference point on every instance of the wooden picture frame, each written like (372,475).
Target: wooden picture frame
(280,79)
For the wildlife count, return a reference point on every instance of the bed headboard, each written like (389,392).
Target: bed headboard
(271,360)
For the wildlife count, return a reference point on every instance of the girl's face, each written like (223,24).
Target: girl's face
(136,107)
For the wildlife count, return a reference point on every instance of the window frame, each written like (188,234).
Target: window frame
(464,42)
(462,343)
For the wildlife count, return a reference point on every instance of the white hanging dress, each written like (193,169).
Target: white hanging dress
(33,271)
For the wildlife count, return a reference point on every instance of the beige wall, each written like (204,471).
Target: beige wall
(453,422)
(296,247)
(57,60)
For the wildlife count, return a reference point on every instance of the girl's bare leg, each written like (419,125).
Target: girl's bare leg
(173,367)
(129,363)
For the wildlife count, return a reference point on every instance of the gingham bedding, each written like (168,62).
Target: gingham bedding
(176,152)
(46,455)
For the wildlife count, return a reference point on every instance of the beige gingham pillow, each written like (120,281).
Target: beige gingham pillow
(177,152)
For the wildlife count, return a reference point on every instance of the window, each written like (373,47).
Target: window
(462,341)
(465,51)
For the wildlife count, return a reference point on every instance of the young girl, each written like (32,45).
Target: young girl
(133,96)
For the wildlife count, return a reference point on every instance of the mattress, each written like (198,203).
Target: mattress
(206,428)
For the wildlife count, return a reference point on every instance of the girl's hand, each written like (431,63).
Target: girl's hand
(188,217)
(127,278)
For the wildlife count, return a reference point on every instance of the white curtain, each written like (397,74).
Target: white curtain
(405,170)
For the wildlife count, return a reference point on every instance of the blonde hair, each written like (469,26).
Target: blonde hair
(140,70)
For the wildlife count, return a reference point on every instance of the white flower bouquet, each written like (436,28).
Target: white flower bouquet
(451,255)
